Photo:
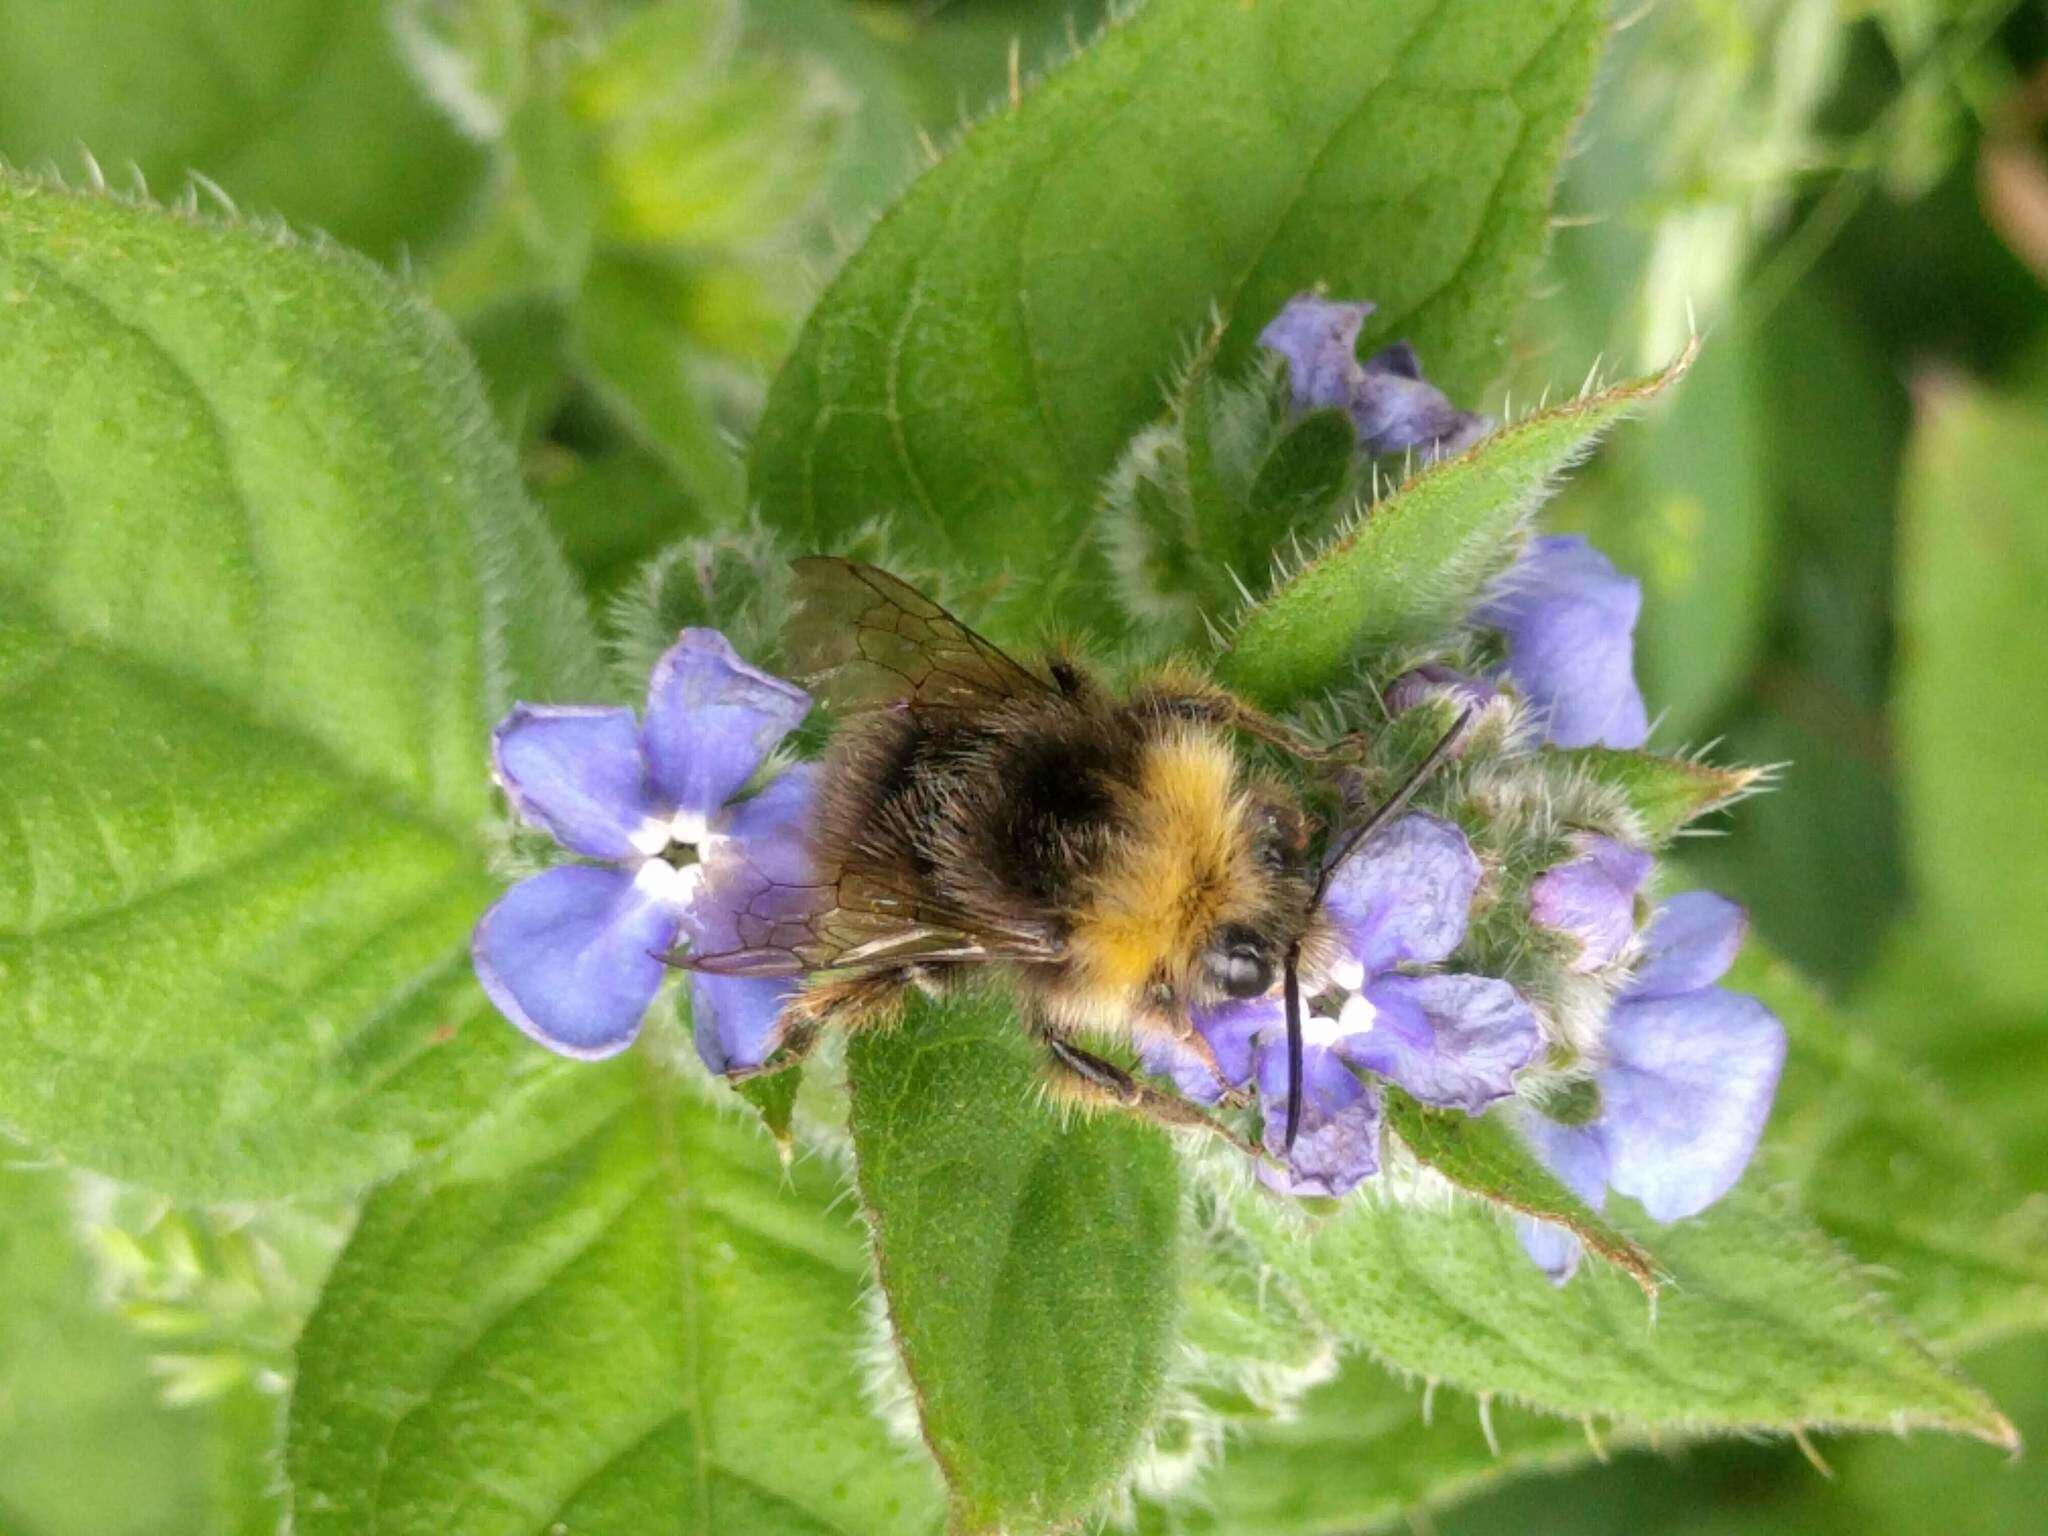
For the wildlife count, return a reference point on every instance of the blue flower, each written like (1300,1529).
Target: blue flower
(573,955)
(1591,899)
(1392,407)
(1569,620)
(1690,1073)
(1402,899)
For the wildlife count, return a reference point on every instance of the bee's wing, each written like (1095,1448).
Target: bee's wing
(859,638)
(860,922)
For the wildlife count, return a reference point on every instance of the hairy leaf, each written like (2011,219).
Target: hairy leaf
(1363,1450)
(981,362)
(615,1312)
(1482,1157)
(1765,1324)
(298,107)
(266,579)
(1903,1173)
(1668,793)
(1028,1263)
(1416,560)
(1973,717)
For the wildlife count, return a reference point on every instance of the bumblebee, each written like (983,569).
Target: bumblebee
(1115,858)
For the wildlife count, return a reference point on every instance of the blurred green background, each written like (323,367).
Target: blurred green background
(1841,521)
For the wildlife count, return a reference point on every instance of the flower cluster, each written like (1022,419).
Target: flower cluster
(1401,901)
(1665,1097)
(1392,407)
(573,955)
(1494,947)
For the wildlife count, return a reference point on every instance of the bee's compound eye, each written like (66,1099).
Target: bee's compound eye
(1238,964)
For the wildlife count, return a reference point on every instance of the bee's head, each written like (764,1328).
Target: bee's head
(1203,891)
(1240,961)
(1244,953)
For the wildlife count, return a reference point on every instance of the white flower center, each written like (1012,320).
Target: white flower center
(657,834)
(660,881)
(1347,973)
(1319,1029)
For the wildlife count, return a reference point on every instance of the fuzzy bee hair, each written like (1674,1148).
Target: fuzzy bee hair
(1124,834)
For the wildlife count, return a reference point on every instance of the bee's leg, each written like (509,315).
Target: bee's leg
(1086,1078)
(1263,727)
(1228,710)
(860,1001)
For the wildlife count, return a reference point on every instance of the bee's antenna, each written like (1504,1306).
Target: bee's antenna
(1384,812)
(1438,755)
(1293,1045)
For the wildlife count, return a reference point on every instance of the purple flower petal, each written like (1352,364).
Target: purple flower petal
(1685,1096)
(1229,1028)
(1434,681)
(1575,1153)
(1338,1147)
(1452,1041)
(1193,1076)
(568,955)
(576,772)
(774,825)
(1319,339)
(1554,1249)
(1394,409)
(738,1020)
(758,887)
(1579,1159)
(1592,898)
(711,720)
(1569,618)
(1402,896)
(1691,941)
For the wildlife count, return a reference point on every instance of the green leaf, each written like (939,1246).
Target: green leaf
(1925,1009)
(1483,1158)
(773,1096)
(298,107)
(614,1312)
(1667,793)
(87,1447)
(1414,562)
(266,580)
(1909,1177)
(1028,1264)
(1972,714)
(1766,1325)
(1361,1451)
(629,325)
(981,362)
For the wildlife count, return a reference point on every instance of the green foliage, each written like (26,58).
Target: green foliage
(297,107)
(248,486)
(1361,1451)
(1413,563)
(1483,1158)
(982,360)
(1027,1263)
(1765,1324)
(652,194)
(1891,1164)
(612,1310)
(1666,793)
(1973,716)
(268,574)
(88,1446)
